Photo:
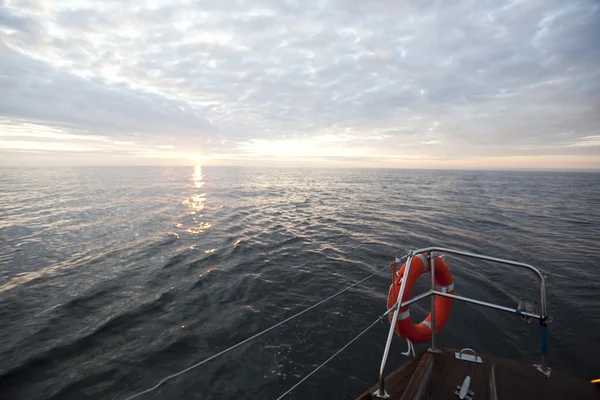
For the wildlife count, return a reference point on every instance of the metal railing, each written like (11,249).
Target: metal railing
(432,293)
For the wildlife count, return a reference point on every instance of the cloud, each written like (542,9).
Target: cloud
(257,80)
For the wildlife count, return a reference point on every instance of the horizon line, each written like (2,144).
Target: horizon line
(592,170)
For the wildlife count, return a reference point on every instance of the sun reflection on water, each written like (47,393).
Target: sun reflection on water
(197,177)
(196,202)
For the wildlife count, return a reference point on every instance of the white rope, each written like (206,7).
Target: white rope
(411,349)
(330,358)
(251,337)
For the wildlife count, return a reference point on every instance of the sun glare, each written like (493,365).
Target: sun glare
(195,158)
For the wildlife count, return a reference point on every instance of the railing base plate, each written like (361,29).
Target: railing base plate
(378,395)
(545,372)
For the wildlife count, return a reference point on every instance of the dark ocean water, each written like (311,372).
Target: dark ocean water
(112,278)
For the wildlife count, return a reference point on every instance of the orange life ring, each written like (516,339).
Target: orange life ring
(405,327)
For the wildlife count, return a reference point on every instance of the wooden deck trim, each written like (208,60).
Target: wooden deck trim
(420,379)
(493,388)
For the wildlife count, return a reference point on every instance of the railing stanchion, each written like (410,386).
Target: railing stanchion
(381,391)
(544,369)
(431,258)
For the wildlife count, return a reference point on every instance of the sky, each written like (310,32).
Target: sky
(478,84)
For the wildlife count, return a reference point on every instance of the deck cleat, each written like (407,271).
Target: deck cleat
(462,391)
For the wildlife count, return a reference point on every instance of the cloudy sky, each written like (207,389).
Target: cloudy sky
(389,83)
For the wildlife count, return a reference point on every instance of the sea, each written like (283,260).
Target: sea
(113,278)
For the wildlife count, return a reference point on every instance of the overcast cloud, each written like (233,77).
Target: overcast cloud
(480,84)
